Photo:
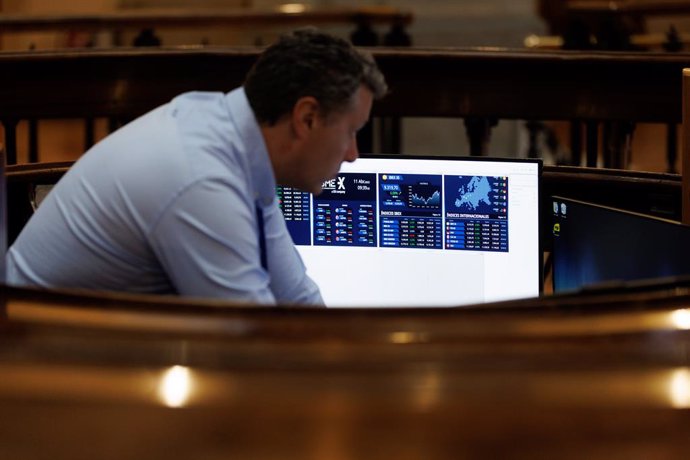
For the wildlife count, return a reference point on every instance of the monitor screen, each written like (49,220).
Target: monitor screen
(597,246)
(396,231)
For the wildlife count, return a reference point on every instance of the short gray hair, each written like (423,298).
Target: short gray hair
(307,62)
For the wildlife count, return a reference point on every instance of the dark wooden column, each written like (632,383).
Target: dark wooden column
(575,142)
(592,143)
(479,132)
(617,148)
(686,146)
(10,126)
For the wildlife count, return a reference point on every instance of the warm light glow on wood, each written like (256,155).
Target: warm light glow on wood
(681,319)
(679,390)
(176,386)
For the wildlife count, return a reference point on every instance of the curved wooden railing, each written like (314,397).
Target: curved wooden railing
(137,377)
(477,85)
(287,15)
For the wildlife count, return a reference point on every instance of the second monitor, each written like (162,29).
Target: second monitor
(598,246)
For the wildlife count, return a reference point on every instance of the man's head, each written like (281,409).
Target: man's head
(316,90)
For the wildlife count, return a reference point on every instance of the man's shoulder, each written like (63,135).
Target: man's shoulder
(193,97)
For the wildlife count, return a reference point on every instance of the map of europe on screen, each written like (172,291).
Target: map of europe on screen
(473,194)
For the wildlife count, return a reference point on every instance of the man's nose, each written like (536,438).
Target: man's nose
(352,152)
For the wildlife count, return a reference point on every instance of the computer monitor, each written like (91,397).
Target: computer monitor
(599,246)
(399,231)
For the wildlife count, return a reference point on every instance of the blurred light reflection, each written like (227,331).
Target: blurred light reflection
(292,8)
(428,390)
(681,319)
(679,389)
(404,337)
(176,386)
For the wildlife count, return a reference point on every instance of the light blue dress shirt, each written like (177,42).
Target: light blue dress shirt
(168,204)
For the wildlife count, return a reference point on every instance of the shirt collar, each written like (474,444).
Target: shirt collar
(260,166)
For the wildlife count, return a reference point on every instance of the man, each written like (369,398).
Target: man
(182,200)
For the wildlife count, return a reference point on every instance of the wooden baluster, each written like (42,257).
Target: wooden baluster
(672,44)
(89,132)
(147,37)
(671,148)
(390,135)
(364,35)
(33,140)
(575,142)
(479,133)
(391,127)
(617,143)
(592,143)
(397,36)
(533,130)
(10,126)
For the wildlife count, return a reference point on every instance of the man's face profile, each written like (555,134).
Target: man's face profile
(332,139)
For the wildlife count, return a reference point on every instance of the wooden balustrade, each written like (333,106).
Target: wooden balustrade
(583,23)
(472,84)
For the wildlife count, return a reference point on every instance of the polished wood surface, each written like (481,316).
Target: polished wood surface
(289,15)
(38,173)
(598,376)
(118,413)
(600,328)
(628,7)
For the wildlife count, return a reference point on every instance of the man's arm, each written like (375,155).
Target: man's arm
(207,242)
(289,281)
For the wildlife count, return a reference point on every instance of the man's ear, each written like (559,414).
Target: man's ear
(304,114)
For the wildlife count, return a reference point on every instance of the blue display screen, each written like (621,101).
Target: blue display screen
(477,213)
(597,245)
(398,231)
(345,211)
(408,212)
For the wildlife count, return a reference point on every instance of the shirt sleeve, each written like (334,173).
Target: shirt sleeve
(289,281)
(208,244)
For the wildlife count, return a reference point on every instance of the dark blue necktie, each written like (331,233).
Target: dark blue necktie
(262,236)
